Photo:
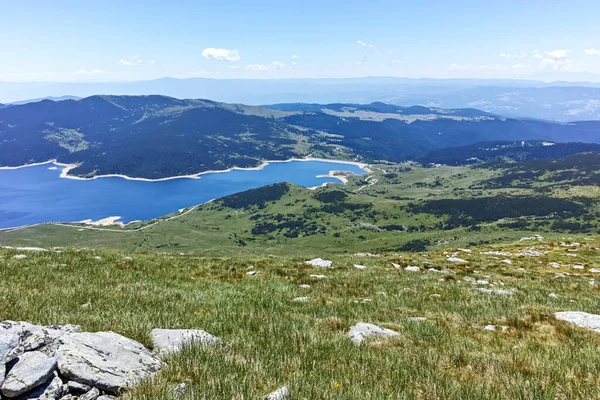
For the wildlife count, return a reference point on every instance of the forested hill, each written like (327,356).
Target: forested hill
(158,136)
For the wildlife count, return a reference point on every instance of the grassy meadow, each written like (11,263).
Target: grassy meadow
(270,341)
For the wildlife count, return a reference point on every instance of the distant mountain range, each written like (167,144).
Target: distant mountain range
(158,136)
(560,101)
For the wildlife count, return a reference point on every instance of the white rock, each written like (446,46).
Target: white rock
(251,273)
(495,291)
(319,262)
(507,261)
(397,266)
(362,331)
(417,319)
(105,360)
(553,295)
(318,276)
(456,260)
(490,328)
(412,269)
(358,266)
(482,282)
(167,341)
(305,286)
(578,267)
(435,295)
(19,257)
(301,299)
(97,258)
(595,271)
(30,371)
(282,393)
(554,265)
(465,250)
(580,319)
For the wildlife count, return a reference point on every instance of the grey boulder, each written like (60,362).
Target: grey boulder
(30,371)
(363,330)
(105,360)
(167,341)
(51,390)
(8,342)
(92,394)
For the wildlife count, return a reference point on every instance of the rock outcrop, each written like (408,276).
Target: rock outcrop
(61,362)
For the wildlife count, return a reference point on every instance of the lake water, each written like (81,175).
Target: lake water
(37,194)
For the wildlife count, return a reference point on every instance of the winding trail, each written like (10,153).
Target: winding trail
(371,181)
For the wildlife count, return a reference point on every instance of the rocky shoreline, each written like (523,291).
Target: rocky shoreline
(60,362)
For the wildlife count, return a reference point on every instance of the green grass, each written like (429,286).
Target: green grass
(270,341)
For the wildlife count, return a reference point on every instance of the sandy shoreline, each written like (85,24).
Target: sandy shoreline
(68,167)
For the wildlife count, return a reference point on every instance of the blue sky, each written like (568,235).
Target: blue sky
(109,40)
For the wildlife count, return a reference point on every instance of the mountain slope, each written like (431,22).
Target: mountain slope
(158,136)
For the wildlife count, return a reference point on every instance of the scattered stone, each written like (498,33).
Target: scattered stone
(595,271)
(411,268)
(167,341)
(105,360)
(251,273)
(319,262)
(578,267)
(507,261)
(531,253)
(318,276)
(495,291)
(554,265)
(180,389)
(305,286)
(357,266)
(107,397)
(490,328)
(303,299)
(456,260)
(497,253)
(417,319)
(97,258)
(93,394)
(282,393)
(435,295)
(580,319)
(363,300)
(465,250)
(534,237)
(362,331)
(30,371)
(78,387)
(553,295)
(397,266)
(19,257)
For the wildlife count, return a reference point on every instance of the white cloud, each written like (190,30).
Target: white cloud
(556,59)
(512,56)
(92,72)
(295,57)
(257,67)
(592,52)
(234,67)
(131,61)
(221,54)
(275,65)
(557,54)
(363,44)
